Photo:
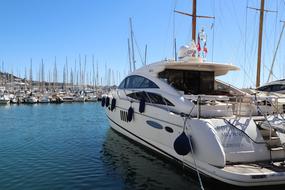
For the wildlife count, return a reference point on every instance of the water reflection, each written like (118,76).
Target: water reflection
(140,169)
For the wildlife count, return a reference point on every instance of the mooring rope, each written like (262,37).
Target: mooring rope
(191,146)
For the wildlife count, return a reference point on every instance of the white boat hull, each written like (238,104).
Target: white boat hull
(247,174)
(4,101)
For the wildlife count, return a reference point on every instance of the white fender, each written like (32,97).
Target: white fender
(206,144)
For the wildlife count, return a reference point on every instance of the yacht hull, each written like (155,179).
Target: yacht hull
(246,174)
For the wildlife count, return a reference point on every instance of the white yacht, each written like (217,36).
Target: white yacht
(277,86)
(67,99)
(4,99)
(280,97)
(44,99)
(181,111)
(91,98)
(80,98)
(31,100)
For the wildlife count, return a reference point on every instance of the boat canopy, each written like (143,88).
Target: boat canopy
(196,65)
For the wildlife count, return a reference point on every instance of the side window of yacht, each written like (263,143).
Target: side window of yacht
(148,84)
(265,88)
(139,82)
(157,99)
(138,96)
(275,88)
(282,87)
(150,97)
(122,85)
(128,83)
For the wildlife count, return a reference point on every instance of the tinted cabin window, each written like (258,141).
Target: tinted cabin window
(277,87)
(191,82)
(150,97)
(265,88)
(272,88)
(157,99)
(207,82)
(122,85)
(139,96)
(128,83)
(139,82)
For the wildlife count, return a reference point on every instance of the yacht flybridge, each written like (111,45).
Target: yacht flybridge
(181,111)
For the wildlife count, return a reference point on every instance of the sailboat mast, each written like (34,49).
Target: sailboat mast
(93,74)
(259,43)
(43,76)
(132,45)
(145,54)
(97,76)
(31,74)
(129,52)
(194,15)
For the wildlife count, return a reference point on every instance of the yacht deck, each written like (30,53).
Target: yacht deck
(256,168)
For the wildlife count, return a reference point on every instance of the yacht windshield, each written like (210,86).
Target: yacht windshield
(191,82)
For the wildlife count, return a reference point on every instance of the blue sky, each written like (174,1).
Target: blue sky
(43,29)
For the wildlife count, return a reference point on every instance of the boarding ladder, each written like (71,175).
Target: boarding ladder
(272,127)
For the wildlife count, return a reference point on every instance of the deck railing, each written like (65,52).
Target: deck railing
(242,105)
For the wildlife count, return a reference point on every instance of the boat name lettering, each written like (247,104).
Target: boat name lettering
(232,134)
(230,145)
(223,127)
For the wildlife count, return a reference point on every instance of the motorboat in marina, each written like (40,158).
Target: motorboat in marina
(91,98)
(80,98)
(56,99)
(274,89)
(30,100)
(279,102)
(67,99)
(178,109)
(4,99)
(277,86)
(44,99)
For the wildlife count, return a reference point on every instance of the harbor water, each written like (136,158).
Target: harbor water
(71,146)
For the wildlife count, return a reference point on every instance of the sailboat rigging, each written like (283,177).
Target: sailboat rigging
(275,53)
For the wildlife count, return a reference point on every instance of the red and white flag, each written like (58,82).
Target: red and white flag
(205,49)
(198,44)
